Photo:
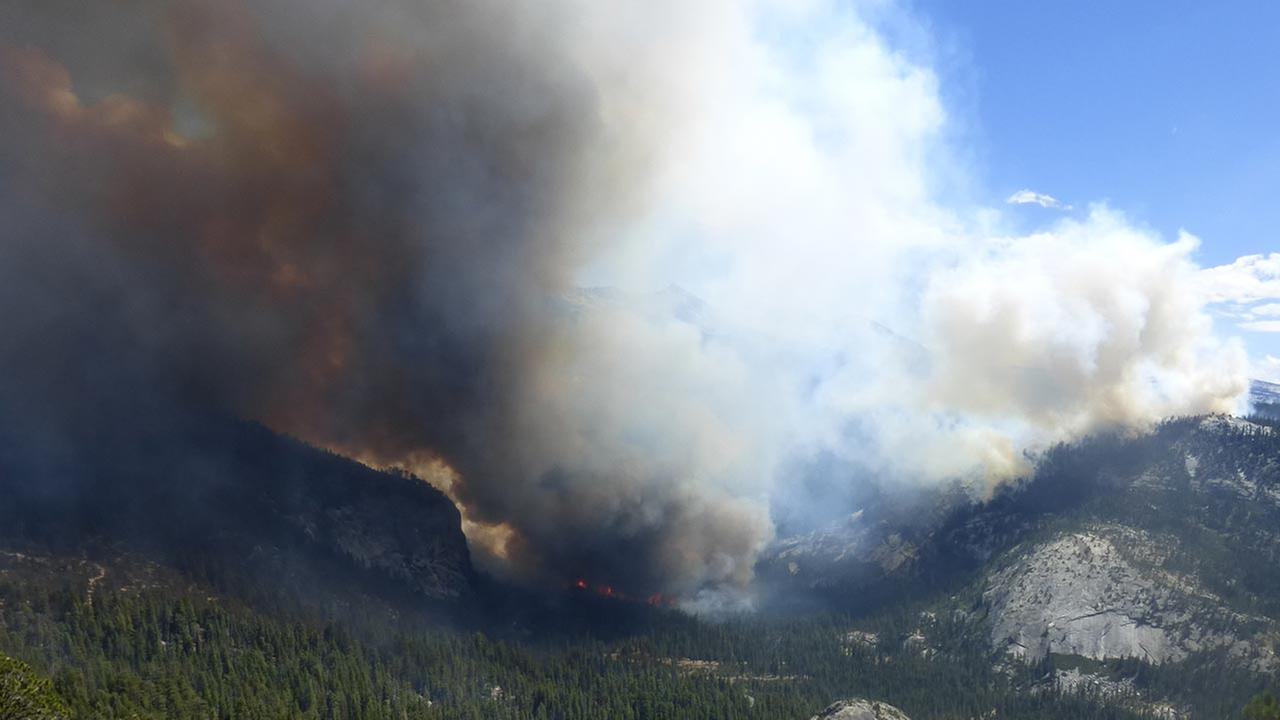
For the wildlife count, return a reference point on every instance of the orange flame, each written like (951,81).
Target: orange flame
(656,599)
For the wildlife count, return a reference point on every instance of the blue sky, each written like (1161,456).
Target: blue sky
(1167,111)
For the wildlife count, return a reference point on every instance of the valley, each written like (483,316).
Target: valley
(1131,576)
(639,360)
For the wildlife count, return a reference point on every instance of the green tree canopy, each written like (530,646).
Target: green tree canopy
(1262,707)
(25,695)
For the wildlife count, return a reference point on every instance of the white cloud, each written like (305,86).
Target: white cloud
(1031,197)
(1249,279)
(1268,368)
(1237,286)
(1261,325)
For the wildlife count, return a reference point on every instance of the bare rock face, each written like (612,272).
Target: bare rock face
(401,528)
(859,709)
(1077,595)
(247,508)
(390,525)
(1104,593)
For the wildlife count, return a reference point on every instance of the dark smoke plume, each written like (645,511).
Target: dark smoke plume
(350,222)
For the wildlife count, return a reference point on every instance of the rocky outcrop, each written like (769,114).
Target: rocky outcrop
(396,526)
(323,514)
(245,507)
(1104,593)
(858,709)
(818,556)
(857,552)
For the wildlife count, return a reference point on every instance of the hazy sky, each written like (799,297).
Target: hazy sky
(1166,111)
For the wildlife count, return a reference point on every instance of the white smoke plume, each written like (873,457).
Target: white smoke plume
(794,199)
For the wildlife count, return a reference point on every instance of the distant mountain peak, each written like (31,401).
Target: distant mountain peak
(1264,396)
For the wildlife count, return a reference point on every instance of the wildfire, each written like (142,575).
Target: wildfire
(608,591)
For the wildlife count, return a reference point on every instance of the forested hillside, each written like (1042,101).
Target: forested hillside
(124,625)
(154,653)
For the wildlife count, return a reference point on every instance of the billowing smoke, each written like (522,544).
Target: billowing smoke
(621,277)
(1090,325)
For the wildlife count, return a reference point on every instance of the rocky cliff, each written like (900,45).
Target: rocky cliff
(233,503)
(1111,592)
(1167,555)
(859,709)
(1159,547)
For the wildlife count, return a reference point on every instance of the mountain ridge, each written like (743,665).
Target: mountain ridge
(234,503)
(1129,577)
(1264,397)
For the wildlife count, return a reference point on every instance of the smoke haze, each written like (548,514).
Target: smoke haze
(620,277)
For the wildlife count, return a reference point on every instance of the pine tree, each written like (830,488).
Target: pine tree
(25,695)
(1262,707)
